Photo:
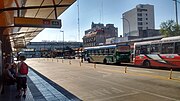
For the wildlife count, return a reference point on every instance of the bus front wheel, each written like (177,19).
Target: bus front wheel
(105,61)
(89,61)
(146,63)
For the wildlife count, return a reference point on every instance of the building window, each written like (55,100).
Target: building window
(139,19)
(146,18)
(146,14)
(139,23)
(140,10)
(143,9)
(140,28)
(139,14)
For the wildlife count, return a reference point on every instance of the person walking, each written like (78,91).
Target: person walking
(21,72)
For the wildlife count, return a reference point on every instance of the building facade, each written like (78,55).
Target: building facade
(139,18)
(98,34)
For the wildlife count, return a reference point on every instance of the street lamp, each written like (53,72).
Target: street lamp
(63,42)
(128,23)
(175,1)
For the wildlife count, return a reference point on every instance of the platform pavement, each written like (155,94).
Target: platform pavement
(40,88)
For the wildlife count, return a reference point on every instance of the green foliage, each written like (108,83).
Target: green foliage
(170,28)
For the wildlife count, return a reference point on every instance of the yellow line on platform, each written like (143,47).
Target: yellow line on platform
(147,75)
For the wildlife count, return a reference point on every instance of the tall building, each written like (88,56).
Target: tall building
(139,18)
(98,34)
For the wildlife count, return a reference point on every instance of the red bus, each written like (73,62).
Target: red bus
(158,53)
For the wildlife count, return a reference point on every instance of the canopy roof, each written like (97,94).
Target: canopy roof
(46,9)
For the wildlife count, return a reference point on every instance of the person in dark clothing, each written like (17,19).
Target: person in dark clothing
(8,77)
(13,69)
(21,77)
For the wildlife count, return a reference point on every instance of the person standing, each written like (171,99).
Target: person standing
(21,72)
(9,79)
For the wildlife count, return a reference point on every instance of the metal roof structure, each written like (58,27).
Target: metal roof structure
(46,9)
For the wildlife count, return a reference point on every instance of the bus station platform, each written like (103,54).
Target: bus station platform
(39,88)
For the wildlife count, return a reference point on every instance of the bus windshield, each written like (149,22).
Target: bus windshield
(123,49)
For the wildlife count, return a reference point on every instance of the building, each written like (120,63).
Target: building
(98,34)
(139,18)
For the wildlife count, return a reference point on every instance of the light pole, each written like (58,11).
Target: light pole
(63,42)
(128,23)
(129,32)
(175,1)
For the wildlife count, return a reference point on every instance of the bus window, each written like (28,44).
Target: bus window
(155,48)
(167,48)
(93,52)
(145,49)
(177,48)
(102,52)
(89,52)
(107,51)
(98,52)
(137,51)
(123,49)
(111,51)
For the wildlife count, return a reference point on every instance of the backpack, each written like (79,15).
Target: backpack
(23,69)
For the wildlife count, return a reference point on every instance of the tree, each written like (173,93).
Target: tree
(170,28)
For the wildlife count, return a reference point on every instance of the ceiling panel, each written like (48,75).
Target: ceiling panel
(47,2)
(43,13)
(31,13)
(33,2)
(57,1)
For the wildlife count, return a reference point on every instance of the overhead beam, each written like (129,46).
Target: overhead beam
(32,7)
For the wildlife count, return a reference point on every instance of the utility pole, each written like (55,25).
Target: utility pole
(63,42)
(175,1)
(128,24)
(78,22)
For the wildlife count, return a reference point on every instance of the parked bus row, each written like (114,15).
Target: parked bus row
(157,53)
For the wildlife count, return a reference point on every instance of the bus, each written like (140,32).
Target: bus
(158,53)
(114,54)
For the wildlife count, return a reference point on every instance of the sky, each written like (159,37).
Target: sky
(103,11)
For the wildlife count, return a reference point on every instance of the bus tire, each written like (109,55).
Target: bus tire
(105,61)
(118,63)
(89,61)
(146,63)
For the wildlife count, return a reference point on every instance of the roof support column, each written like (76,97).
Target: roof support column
(6,47)
(55,11)
(18,7)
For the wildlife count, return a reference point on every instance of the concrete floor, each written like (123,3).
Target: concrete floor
(101,82)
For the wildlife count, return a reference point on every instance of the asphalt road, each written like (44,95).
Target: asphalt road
(99,82)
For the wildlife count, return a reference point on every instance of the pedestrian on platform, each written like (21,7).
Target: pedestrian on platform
(21,72)
(13,69)
(8,77)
